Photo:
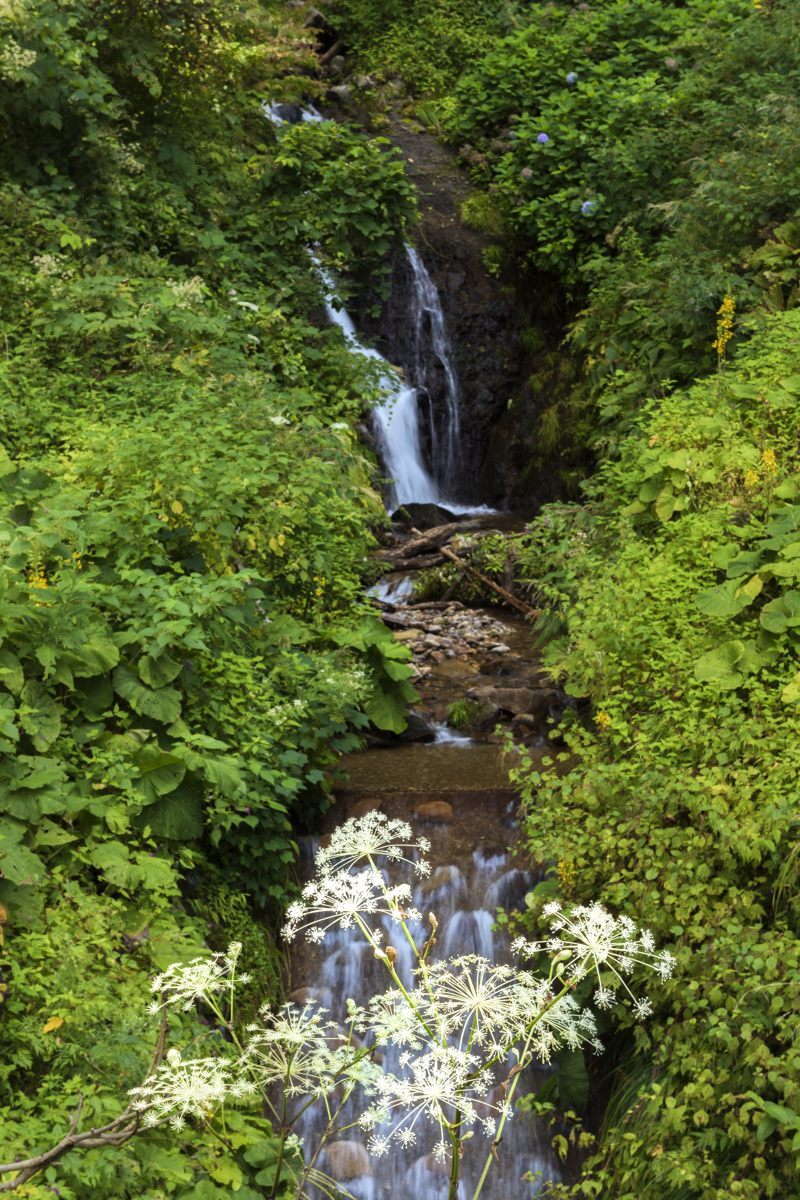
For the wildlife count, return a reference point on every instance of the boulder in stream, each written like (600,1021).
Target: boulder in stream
(423,516)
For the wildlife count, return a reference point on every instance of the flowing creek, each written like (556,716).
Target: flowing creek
(450,787)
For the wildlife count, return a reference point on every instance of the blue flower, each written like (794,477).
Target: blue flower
(572,78)
(588,207)
(543,138)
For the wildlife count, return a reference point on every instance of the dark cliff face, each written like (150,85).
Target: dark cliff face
(485,320)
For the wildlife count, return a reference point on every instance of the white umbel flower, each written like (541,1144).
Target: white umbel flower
(362,840)
(589,940)
(341,901)
(178,1089)
(185,983)
(438,1085)
(480,1003)
(310,1055)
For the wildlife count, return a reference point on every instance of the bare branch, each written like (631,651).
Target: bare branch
(113,1134)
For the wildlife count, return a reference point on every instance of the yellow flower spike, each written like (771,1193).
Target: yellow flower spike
(751,479)
(769,463)
(725,314)
(602,720)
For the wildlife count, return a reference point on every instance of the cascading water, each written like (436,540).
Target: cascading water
(430,337)
(462,889)
(397,420)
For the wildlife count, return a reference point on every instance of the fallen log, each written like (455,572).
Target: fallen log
(411,564)
(505,595)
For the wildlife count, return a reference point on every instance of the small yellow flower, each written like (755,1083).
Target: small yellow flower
(37,577)
(751,479)
(602,720)
(567,875)
(725,314)
(769,463)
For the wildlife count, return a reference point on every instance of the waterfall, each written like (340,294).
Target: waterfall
(430,336)
(397,419)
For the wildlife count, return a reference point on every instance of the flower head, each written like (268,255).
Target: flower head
(572,78)
(588,207)
(341,901)
(594,940)
(178,1089)
(543,138)
(437,1083)
(311,1055)
(185,983)
(362,840)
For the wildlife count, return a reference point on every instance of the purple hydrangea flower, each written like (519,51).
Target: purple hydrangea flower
(588,207)
(572,78)
(543,138)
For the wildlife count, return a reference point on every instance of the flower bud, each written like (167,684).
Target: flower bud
(391,954)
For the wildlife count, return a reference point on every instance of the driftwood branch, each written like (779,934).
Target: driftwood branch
(503,593)
(114,1133)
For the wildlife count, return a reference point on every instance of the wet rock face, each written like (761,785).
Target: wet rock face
(483,320)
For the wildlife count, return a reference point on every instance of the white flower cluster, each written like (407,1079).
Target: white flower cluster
(362,840)
(339,899)
(310,1055)
(442,1085)
(456,1025)
(482,1008)
(14,60)
(343,901)
(187,292)
(51,266)
(590,940)
(178,1089)
(185,983)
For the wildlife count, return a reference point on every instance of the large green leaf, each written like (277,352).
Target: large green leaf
(9,730)
(158,671)
(160,704)
(11,672)
(782,614)
(387,712)
(97,655)
(178,817)
(718,666)
(40,716)
(725,600)
(18,864)
(113,859)
(160,772)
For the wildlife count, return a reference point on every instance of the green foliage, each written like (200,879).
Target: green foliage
(680,801)
(185,516)
(639,159)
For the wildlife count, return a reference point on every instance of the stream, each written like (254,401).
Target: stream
(451,786)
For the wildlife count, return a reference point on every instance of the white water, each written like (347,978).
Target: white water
(428,320)
(463,895)
(396,420)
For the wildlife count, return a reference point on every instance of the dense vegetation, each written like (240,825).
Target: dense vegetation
(186,512)
(185,517)
(643,158)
